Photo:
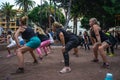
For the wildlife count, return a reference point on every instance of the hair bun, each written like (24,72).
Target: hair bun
(24,18)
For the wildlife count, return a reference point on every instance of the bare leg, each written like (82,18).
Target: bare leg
(102,52)
(9,53)
(95,51)
(8,50)
(34,57)
(38,50)
(20,53)
(15,51)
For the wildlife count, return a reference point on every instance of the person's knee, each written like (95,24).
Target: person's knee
(100,48)
(18,51)
(94,48)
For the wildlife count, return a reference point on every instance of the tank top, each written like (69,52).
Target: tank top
(103,36)
(67,36)
(42,37)
(28,33)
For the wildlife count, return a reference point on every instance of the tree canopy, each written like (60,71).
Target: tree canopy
(42,13)
(103,10)
(7,11)
(25,4)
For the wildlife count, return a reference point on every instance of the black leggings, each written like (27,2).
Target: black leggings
(71,44)
(86,45)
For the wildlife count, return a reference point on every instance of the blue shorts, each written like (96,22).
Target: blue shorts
(22,42)
(34,42)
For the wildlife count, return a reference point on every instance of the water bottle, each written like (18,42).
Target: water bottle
(109,76)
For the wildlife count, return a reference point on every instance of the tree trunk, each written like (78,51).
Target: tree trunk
(68,15)
(75,25)
(7,22)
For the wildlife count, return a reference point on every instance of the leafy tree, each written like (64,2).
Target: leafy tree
(103,10)
(8,12)
(25,4)
(40,15)
(66,5)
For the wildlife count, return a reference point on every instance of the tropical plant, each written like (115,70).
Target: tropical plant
(103,10)
(43,13)
(25,5)
(7,11)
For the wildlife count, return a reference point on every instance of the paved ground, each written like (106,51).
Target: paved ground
(48,68)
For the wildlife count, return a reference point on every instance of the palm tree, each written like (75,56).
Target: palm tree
(25,5)
(8,12)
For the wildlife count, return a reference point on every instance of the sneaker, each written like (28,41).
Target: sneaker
(106,65)
(40,58)
(111,55)
(65,70)
(95,60)
(18,71)
(9,55)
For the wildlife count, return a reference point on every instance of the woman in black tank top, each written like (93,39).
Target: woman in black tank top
(32,42)
(68,41)
(102,42)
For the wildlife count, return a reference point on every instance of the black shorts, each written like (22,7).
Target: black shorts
(111,42)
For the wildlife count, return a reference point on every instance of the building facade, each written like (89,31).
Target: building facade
(14,21)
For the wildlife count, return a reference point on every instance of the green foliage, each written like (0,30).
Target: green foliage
(25,4)
(85,23)
(103,10)
(8,12)
(40,15)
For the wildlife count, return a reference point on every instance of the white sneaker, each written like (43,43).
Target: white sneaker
(9,55)
(65,70)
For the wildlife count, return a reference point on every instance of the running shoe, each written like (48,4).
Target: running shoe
(9,55)
(111,55)
(18,71)
(106,65)
(65,70)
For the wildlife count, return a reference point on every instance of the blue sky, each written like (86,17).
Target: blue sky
(12,2)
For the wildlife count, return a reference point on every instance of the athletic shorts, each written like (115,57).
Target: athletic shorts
(12,44)
(34,42)
(111,42)
(22,42)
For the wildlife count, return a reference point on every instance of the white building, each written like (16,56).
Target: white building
(79,29)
